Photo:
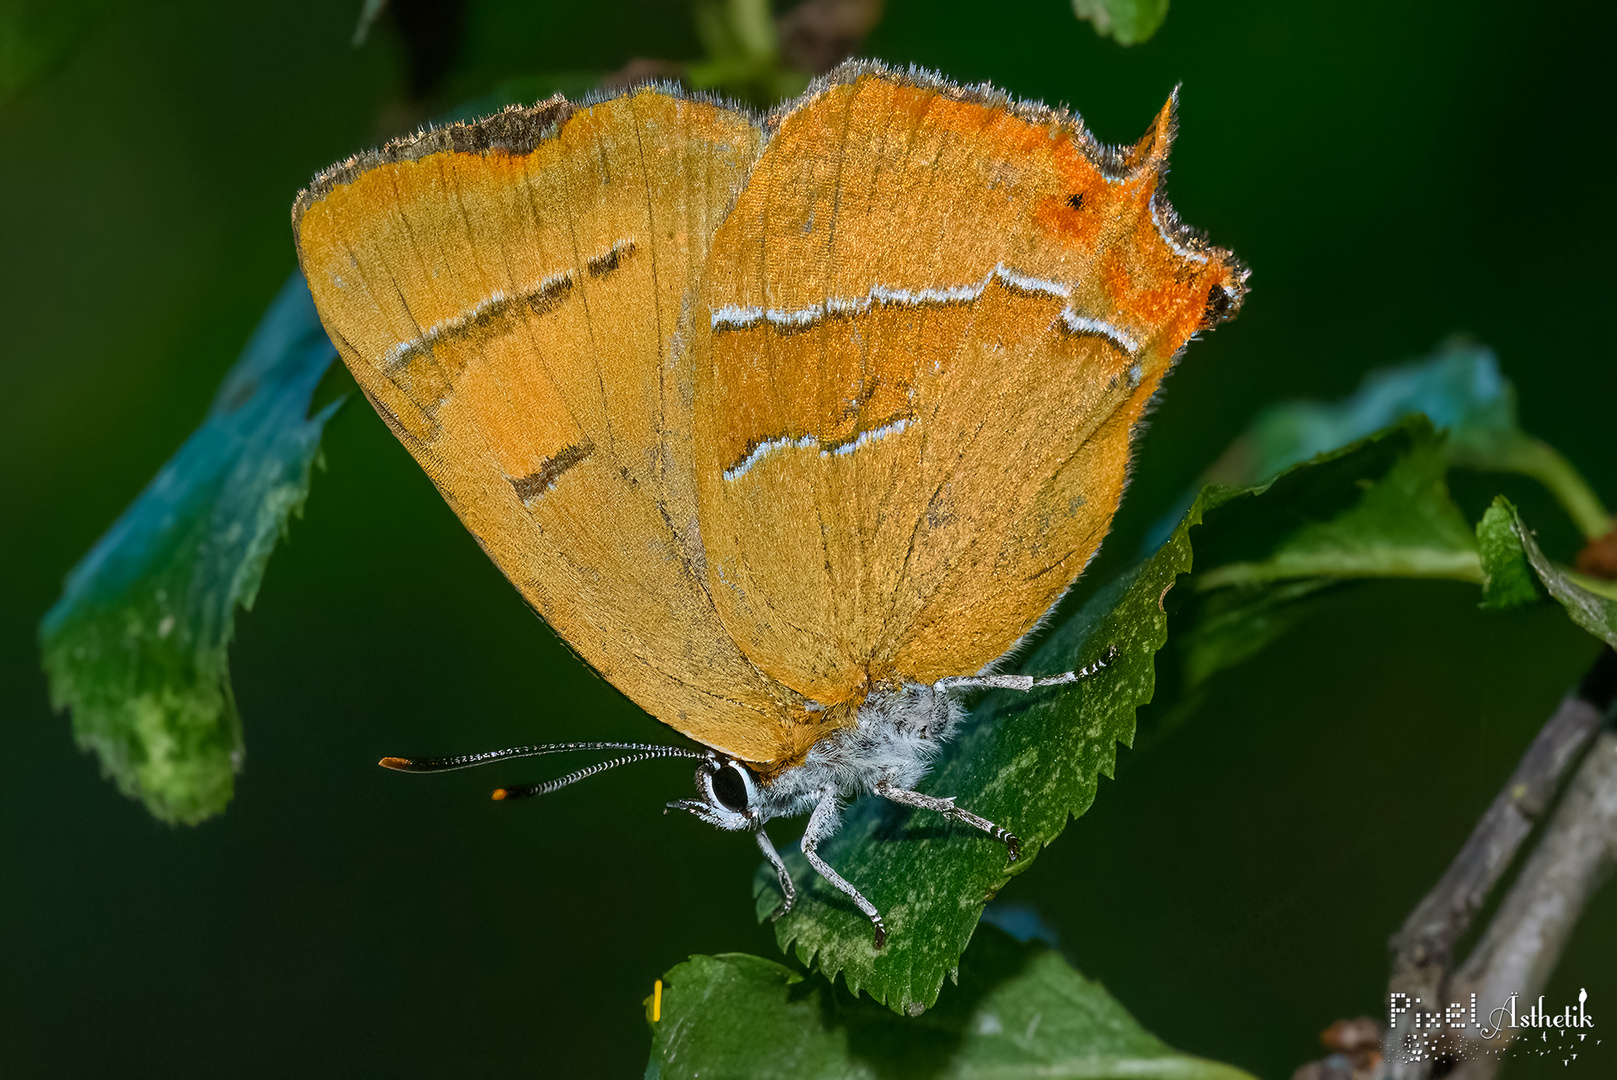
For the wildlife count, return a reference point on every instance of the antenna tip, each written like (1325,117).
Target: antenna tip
(499,794)
(399,763)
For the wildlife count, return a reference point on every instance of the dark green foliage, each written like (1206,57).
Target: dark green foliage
(1378,508)
(1400,522)
(1019,1011)
(36,36)
(1459,389)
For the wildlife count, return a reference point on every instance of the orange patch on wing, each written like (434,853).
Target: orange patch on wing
(926,333)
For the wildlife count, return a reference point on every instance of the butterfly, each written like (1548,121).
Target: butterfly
(792,427)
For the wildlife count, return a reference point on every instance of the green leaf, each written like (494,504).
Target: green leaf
(1590,602)
(1405,525)
(1128,22)
(1508,578)
(37,36)
(1019,1011)
(136,646)
(1377,508)
(1460,389)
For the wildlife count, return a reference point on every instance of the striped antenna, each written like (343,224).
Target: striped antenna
(643,752)
(467,761)
(528,791)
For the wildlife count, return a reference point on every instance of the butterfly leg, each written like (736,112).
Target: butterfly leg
(1024,682)
(822,823)
(948,809)
(788,890)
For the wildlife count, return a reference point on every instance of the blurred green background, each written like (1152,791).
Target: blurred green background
(1394,172)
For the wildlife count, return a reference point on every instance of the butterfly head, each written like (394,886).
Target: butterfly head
(728,795)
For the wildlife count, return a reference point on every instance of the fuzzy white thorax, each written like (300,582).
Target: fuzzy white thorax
(896,737)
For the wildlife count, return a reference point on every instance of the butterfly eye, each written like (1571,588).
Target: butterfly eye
(731,787)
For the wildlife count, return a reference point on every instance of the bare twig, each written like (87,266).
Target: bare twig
(1528,934)
(1423,949)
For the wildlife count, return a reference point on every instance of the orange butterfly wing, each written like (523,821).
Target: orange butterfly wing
(867,432)
(509,296)
(924,337)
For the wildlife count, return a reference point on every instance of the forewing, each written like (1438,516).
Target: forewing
(926,334)
(508,294)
